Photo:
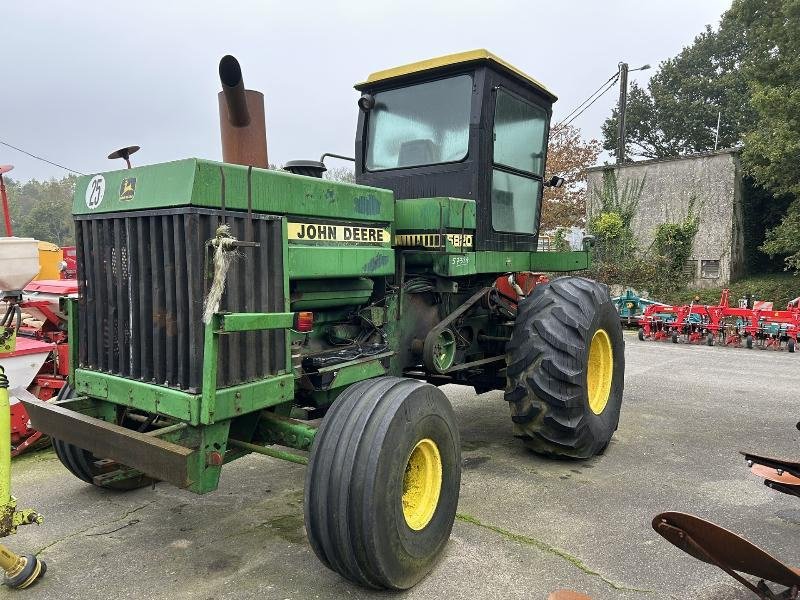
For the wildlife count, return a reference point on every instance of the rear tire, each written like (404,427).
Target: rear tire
(81,463)
(565,368)
(790,345)
(674,337)
(641,335)
(710,339)
(382,483)
(748,341)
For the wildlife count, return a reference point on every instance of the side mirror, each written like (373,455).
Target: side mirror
(366,102)
(555,181)
(587,242)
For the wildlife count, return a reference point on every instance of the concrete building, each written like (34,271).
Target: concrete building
(714,179)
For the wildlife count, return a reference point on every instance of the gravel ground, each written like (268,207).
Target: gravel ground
(526,525)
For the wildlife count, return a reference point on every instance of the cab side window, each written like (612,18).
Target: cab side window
(519,150)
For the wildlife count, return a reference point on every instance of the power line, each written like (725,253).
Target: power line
(573,115)
(614,76)
(593,97)
(50,162)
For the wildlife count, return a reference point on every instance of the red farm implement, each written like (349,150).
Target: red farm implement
(758,326)
(39,360)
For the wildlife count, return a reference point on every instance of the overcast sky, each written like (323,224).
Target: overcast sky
(84,78)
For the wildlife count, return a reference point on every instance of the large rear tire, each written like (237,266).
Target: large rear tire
(383,481)
(565,368)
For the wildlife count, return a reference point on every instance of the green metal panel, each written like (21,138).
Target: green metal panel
(195,182)
(250,397)
(70,308)
(228,402)
(471,263)
(233,322)
(347,374)
(313,262)
(137,394)
(552,262)
(328,293)
(431,214)
(204,477)
(292,433)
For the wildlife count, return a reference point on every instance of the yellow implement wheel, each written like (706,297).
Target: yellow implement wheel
(600,371)
(422,484)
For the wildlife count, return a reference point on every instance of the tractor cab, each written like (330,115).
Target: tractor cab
(466,125)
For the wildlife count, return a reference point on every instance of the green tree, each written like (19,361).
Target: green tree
(568,156)
(677,113)
(772,146)
(772,67)
(43,209)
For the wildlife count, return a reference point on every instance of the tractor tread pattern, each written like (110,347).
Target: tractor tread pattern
(545,380)
(344,451)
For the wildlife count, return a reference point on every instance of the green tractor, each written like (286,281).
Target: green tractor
(226,309)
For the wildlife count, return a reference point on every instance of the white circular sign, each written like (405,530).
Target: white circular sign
(95,191)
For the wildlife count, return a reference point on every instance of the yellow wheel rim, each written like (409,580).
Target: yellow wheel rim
(422,484)
(600,371)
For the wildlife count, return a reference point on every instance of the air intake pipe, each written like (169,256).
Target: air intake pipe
(241,118)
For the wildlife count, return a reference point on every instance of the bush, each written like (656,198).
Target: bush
(658,270)
(777,287)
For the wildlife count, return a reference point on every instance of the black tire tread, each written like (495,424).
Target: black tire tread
(341,454)
(544,371)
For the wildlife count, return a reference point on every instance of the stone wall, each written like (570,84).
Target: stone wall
(714,180)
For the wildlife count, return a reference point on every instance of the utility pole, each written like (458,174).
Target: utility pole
(623,102)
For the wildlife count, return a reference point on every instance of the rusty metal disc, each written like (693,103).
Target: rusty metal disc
(772,475)
(790,466)
(709,542)
(567,595)
(6,168)
(124,152)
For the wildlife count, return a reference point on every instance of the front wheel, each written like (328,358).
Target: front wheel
(383,481)
(566,368)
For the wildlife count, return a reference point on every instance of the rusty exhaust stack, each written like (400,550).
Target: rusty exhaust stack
(241,118)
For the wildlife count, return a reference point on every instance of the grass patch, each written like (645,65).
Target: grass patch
(545,547)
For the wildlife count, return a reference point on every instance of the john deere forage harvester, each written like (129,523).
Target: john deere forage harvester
(350,303)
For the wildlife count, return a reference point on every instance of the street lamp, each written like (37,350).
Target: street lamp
(623,103)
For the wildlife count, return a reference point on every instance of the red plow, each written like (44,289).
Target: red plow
(758,326)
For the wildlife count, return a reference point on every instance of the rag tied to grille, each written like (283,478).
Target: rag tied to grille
(224,245)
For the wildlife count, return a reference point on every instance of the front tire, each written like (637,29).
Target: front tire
(382,483)
(565,368)
(83,464)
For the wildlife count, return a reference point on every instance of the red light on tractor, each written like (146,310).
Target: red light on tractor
(304,321)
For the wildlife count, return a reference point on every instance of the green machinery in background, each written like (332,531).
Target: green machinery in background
(630,307)
(345,307)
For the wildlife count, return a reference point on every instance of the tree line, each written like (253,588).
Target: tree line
(42,209)
(744,75)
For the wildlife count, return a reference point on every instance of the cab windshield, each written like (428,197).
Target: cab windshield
(423,124)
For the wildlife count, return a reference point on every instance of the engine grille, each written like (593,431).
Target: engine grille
(142,286)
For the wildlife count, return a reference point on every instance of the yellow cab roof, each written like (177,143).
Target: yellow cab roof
(440,62)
